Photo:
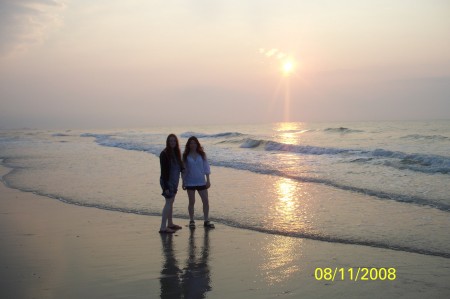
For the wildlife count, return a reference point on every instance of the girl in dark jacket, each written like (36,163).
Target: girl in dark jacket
(171,167)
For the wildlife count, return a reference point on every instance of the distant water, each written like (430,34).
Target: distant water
(369,171)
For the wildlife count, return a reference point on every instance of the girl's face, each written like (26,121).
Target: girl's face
(172,142)
(193,145)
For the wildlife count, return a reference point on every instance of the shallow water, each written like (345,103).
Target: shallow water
(378,184)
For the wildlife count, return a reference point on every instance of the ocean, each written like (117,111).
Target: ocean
(379,184)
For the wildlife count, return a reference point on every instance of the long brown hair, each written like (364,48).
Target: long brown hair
(168,149)
(199,148)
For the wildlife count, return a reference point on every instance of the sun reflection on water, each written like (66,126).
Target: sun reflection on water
(289,132)
(289,210)
(286,191)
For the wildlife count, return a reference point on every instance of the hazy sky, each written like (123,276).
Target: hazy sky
(136,63)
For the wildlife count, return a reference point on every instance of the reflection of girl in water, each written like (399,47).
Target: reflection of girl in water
(196,279)
(169,279)
(171,167)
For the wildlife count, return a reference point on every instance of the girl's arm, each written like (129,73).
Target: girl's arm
(208,183)
(207,171)
(164,163)
(183,175)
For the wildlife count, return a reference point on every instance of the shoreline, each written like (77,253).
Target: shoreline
(52,249)
(328,239)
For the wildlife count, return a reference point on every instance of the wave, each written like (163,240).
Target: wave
(295,131)
(415,162)
(303,149)
(251,143)
(94,135)
(426,137)
(342,130)
(7,139)
(217,135)
(111,141)
(60,135)
(431,164)
(299,149)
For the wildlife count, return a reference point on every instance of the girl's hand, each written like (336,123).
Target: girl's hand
(167,192)
(183,186)
(208,184)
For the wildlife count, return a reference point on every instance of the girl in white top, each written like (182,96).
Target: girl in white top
(196,177)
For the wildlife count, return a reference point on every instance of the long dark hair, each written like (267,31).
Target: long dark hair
(199,148)
(169,150)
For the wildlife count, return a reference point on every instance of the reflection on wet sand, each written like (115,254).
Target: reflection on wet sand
(170,272)
(281,257)
(196,277)
(194,280)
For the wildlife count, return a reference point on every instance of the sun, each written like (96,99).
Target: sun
(287,67)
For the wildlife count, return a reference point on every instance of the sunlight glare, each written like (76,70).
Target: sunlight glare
(288,67)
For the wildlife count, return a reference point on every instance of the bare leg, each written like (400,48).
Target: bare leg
(205,200)
(165,213)
(169,216)
(191,195)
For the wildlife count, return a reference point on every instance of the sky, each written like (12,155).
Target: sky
(137,63)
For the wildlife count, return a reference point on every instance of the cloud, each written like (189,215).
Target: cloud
(24,23)
(273,53)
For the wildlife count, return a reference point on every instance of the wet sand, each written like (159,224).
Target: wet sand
(52,249)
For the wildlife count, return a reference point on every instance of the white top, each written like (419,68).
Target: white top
(195,171)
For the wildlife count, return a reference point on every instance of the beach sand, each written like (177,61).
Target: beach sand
(52,249)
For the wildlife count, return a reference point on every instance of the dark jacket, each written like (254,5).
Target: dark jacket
(166,162)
